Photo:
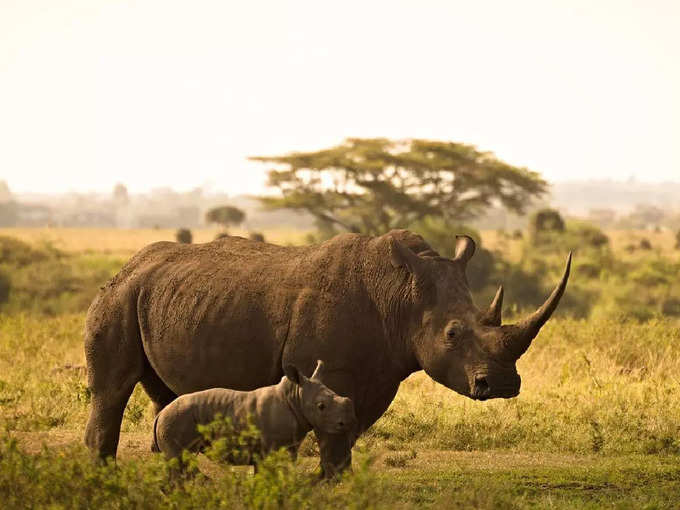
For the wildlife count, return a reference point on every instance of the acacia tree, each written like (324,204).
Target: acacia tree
(374,185)
(225,215)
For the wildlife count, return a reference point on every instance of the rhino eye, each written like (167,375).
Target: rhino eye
(321,406)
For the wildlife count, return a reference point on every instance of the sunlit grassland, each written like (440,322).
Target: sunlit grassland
(598,418)
(587,388)
(126,241)
(597,422)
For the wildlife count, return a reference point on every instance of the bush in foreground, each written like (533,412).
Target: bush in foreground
(67,479)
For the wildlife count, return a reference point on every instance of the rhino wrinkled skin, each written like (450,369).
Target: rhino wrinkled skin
(283,414)
(233,312)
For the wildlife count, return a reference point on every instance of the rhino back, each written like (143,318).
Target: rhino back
(223,314)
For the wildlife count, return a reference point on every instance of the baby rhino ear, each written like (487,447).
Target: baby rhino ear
(292,373)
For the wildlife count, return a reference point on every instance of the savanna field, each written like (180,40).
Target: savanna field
(597,423)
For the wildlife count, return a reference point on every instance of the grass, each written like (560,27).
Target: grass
(597,423)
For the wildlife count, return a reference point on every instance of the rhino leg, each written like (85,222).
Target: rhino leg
(336,453)
(115,364)
(157,390)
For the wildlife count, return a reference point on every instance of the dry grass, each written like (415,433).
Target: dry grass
(128,241)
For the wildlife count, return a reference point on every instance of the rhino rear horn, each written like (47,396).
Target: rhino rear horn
(525,331)
(492,317)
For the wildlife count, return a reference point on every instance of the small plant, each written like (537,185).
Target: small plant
(231,444)
(256,236)
(645,244)
(183,235)
(399,459)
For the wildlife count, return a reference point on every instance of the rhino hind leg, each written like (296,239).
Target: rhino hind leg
(157,390)
(103,427)
(115,364)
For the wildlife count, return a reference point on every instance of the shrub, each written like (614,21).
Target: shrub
(256,236)
(545,220)
(18,253)
(67,479)
(645,244)
(4,287)
(221,235)
(183,235)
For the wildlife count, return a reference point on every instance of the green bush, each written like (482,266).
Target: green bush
(184,236)
(5,286)
(67,479)
(545,221)
(46,280)
(16,253)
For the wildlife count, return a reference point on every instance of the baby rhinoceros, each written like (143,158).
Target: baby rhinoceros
(283,413)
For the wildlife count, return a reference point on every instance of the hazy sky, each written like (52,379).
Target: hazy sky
(154,93)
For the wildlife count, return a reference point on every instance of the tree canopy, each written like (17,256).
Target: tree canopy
(374,185)
(225,215)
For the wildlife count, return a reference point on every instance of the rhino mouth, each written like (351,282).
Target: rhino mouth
(481,390)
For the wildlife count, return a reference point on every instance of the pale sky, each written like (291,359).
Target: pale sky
(166,93)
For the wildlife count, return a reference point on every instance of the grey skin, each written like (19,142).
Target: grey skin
(283,413)
(233,312)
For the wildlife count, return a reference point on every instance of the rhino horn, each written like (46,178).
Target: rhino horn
(524,332)
(465,248)
(318,371)
(492,317)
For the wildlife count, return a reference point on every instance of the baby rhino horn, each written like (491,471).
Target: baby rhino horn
(318,371)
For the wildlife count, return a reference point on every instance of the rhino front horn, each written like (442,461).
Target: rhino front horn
(525,331)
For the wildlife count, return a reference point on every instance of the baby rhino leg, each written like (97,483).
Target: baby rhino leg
(175,432)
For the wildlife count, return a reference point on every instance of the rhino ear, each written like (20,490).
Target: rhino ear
(465,248)
(402,256)
(293,374)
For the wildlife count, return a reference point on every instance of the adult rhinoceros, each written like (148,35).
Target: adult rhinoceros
(231,313)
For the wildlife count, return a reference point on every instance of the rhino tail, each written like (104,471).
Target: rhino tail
(154,443)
